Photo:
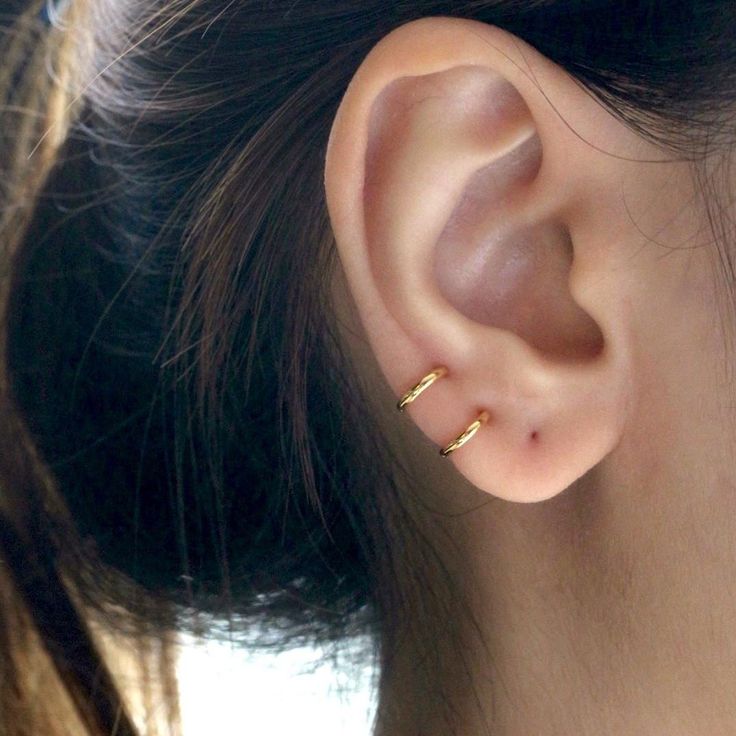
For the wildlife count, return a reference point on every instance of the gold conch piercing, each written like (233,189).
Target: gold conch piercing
(466,435)
(424,384)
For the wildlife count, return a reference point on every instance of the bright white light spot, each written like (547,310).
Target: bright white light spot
(227,690)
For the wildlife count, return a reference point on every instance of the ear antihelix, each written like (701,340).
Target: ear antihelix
(454,209)
(427,135)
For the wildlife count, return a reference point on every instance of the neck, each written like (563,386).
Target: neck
(608,609)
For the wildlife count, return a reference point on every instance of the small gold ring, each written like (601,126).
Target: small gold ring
(424,384)
(466,435)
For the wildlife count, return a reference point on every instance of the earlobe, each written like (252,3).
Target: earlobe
(459,223)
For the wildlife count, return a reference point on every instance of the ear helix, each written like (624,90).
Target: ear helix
(413,393)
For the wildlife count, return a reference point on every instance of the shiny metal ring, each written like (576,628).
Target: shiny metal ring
(424,384)
(466,435)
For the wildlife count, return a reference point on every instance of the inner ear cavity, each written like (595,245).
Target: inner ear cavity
(510,275)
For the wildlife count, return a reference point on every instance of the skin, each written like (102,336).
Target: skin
(592,565)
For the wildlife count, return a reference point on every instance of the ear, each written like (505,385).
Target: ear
(472,206)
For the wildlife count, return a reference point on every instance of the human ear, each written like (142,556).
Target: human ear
(471,214)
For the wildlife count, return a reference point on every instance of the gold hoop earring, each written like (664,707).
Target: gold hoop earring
(423,385)
(466,435)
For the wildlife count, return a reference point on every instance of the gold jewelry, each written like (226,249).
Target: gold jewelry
(424,384)
(466,435)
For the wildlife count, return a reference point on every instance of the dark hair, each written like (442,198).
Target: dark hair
(182,429)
